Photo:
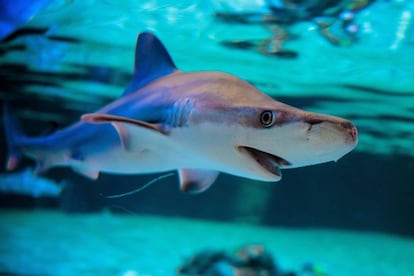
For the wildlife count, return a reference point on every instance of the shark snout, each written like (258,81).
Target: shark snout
(310,138)
(347,129)
(329,137)
(352,131)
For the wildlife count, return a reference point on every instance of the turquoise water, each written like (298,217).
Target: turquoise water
(379,64)
(73,57)
(105,244)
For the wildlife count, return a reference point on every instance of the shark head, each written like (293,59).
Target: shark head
(285,137)
(263,135)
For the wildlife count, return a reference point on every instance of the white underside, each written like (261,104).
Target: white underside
(183,148)
(215,147)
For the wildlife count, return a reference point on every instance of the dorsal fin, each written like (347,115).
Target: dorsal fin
(152,61)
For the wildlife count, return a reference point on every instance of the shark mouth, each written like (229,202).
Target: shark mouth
(270,162)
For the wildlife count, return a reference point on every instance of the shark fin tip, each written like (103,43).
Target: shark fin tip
(12,162)
(91,118)
(195,181)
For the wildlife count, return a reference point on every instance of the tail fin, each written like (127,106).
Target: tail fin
(13,133)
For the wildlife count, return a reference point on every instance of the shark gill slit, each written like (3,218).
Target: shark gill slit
(181,112)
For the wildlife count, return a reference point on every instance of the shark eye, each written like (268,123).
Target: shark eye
(267,118)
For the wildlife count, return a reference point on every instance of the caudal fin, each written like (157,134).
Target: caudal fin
(13,133)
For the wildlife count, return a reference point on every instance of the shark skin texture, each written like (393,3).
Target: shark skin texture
(198,123)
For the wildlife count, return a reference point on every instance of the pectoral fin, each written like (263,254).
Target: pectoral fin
(99,118)
(196,180)
(127,128)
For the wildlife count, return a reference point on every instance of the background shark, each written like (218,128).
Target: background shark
(200,123)
(27,183)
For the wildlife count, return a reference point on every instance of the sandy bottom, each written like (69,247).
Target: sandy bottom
(53,243)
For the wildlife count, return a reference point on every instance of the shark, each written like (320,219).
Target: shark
(198,123)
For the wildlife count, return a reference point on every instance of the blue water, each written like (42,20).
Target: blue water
(60,59)
(330,79)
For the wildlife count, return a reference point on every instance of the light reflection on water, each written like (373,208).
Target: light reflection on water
(344,81)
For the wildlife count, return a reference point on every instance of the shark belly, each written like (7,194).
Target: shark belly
(184,148)
(119,161)
(215,147)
